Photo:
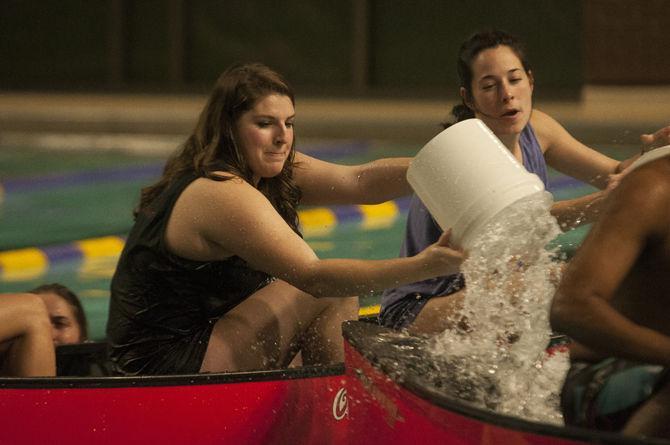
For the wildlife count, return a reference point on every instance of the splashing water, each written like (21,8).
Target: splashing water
(496,353)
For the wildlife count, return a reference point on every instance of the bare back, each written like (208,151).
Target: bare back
(618,283)
(644,295)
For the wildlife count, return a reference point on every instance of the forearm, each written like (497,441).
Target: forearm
(346,277)
(384,179)
(596,325)
(572,213)
(326,183)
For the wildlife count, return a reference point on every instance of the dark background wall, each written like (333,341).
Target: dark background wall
(353,47)
(627,42)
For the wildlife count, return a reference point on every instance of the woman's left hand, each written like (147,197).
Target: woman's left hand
(655,140)
(649,142)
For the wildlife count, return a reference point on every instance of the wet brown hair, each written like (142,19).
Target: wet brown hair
(212,147)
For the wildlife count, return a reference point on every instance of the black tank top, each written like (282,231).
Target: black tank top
(163,307)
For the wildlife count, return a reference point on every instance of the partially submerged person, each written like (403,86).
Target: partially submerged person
(496,87)
(614,302)
(215,275)
(66,314)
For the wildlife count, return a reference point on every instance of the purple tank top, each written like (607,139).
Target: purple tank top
(421,230)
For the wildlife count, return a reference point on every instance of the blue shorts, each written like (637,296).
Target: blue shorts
(604,395)
(409,300)
(402,313)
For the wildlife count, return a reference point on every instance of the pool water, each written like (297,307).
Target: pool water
(64,215)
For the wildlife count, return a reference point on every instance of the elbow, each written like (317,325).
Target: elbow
(308,284)
(318,279)
(556,320)
(560,315)
(316,289)
(304,276)
(321,288)
(570,313)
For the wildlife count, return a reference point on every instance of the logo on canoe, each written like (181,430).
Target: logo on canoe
(340,406)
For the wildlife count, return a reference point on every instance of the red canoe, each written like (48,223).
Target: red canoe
(404,410)
(351,404)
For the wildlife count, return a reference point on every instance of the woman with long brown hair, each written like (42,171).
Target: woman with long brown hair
(215,275)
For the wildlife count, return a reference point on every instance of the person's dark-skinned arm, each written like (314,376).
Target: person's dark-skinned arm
(636,212)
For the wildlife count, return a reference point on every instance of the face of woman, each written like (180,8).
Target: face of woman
(265,135)
(64,326)
(501,90)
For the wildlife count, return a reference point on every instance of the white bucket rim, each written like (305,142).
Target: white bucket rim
(651,155)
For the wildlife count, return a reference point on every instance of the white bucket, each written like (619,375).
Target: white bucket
(465,176)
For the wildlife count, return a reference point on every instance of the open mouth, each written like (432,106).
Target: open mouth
(511,113)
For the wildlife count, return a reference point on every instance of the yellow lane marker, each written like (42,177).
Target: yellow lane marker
(317,221)
(369,310)
(100,256)
(97,247)
(23,264)
(379,216)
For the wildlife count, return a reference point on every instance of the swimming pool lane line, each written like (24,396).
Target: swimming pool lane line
(34,262)
(144,172)
(152,170)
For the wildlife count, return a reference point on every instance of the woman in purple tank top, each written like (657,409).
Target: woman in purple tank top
(497,87)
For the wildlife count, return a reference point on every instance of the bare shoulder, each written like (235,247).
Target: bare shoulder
(646,192)
(209,216)
(544,125)
(213,190)
(205,201)
(539,117)
(542,122)
(651,180)
(547,129)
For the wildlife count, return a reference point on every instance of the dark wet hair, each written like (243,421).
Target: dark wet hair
(212,147)
(474,45)
(70,298)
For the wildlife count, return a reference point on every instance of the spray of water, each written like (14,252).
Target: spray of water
(496,353)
